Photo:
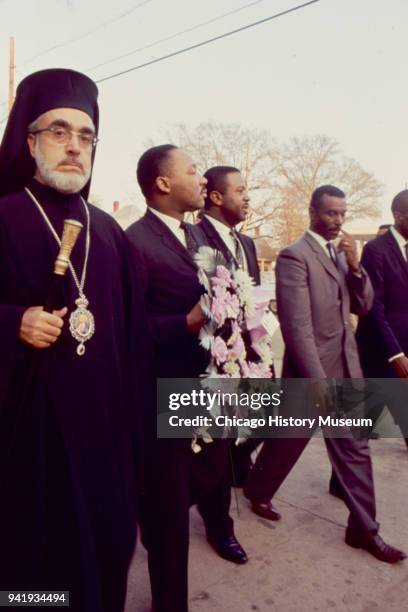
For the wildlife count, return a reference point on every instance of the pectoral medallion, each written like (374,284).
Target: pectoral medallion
(82,324)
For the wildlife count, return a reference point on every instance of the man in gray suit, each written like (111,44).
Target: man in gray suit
(318,285)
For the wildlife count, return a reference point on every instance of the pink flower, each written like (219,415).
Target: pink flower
(232,305)
(220,292)
(222,272)
(219,350)
(258,370)
(224,305)
(237,351)
(218,311)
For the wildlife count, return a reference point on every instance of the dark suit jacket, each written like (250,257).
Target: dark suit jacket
(384,331)
(314,303)
(171,289)
(214,240)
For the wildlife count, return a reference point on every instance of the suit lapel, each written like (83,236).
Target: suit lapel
(167,237)
(248,255)
(215,239)
(394,248)
(326,262)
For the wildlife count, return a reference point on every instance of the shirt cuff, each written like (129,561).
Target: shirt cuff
(358,273)
(394,357)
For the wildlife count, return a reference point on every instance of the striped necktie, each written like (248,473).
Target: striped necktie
(239,258)
(191,242)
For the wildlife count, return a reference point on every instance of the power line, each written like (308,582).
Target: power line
(176,35)
(208,41)
(89,32)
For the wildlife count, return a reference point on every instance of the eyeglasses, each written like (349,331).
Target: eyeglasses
(62,135)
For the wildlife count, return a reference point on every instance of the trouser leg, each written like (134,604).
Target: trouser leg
(276,459)
(165,525)
(211,488)
(351,462)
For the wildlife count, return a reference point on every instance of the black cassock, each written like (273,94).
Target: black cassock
(67,507)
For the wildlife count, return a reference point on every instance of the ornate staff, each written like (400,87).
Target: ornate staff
(70,235)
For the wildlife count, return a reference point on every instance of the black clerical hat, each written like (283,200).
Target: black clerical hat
(36,94)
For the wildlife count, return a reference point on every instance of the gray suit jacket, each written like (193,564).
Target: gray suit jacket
(315,299)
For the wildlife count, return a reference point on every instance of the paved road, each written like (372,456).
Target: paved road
(300,564)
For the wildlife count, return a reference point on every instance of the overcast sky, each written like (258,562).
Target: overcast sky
(337,67)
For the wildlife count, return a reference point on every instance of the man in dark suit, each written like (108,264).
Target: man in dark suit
(317,287)
(382,335)
(226,206)
(175,476)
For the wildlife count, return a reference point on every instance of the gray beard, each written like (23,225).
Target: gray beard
(60,181)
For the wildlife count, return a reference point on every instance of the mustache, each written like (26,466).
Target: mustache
(72,162)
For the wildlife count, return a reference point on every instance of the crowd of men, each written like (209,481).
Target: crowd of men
(80,461)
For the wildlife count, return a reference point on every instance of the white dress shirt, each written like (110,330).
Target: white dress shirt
(173,225)
(225,234)
(322,241)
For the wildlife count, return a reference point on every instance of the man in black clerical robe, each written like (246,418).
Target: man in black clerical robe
(67,511)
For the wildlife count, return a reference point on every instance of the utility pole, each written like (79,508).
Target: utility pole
(248,168)
(11,74)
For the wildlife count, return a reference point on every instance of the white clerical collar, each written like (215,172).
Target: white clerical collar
(172,223)
(222,229)
(322,241)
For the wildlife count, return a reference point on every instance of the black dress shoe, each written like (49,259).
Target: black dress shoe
(229,549)
(266,510)
(375,545)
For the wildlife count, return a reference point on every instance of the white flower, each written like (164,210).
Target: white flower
(232,369)
(208,259)
(244,286)
(206,338)
(205,303)
(204,280)
(264,349)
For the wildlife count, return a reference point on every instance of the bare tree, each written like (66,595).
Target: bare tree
(280,178)
(301,166)
(215,144)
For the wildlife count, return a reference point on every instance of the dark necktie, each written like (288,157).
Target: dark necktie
(191,242)
(238,250)
(333,253)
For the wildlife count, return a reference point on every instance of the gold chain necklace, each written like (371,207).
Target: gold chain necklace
(81,320)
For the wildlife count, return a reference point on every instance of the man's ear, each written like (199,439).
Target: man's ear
(216,198)
(312,214)
(163,184)
(31,144)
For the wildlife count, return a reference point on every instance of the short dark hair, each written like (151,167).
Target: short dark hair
(216,180)
(400,202)
(385,226)
(151,165)
(329,190)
